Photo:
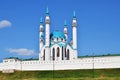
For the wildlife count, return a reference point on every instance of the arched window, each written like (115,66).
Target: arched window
(58,52)
(62,39)
(52,39)
(57,39)
(65,53)
(53,52)
(44,54)
(68,54)
(62,53)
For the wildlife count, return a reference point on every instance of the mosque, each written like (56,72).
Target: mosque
(56,53)
(56,46)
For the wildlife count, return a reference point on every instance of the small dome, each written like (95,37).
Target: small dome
(57,34)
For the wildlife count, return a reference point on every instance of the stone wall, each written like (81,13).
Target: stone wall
(81,63)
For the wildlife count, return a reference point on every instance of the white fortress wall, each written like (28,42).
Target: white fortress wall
(81,63)
(1,66)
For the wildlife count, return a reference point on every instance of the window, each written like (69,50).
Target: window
(58,52)
(41,40)
(44,54)
(53,52)
(62,53)
(41,29)
(5,61)
(57,39)
(62,39)
(65,52)
(65,32)
(52,39)
(68,54)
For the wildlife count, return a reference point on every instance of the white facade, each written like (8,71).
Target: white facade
(59,54)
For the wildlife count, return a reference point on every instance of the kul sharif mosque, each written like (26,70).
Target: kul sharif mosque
(56,46)
(56,53)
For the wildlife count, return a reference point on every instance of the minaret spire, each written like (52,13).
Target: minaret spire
(47,11)
(41,21)
(74,14)
(65,30)
(41,32)
(74,27)
(65,23)
(74,34)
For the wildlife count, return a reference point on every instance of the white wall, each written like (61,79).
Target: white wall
(81,63)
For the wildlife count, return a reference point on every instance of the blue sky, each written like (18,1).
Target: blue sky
(98,25)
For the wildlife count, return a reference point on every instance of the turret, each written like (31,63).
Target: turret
(74,28)
(47,21)
(41,32)
(65,30)
(47,36)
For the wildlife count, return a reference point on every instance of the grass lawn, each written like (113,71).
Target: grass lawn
(100,74)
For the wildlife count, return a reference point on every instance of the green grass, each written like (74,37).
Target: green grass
(103,74)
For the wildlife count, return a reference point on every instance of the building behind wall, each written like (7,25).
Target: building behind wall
(56,45)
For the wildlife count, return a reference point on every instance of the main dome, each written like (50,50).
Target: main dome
(57,34)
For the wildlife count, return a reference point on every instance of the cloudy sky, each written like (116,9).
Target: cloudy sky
(98,25)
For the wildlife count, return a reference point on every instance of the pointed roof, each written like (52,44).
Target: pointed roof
(41,20)
(74,14)
(47,11)
(65,23)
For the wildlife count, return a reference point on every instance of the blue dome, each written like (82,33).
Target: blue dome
(57,34)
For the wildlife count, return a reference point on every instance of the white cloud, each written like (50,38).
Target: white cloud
(5,23)
(22,51)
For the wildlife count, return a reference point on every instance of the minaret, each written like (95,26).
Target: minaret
(47,21)
(74,26)
(65,30)
(47,36)
(41,32)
